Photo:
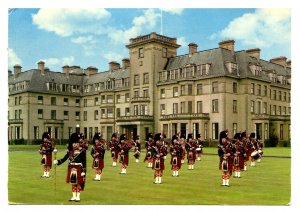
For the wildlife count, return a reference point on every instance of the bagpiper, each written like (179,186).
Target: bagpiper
(238,158)
(199,149)
(148,146)
(83,146)
(182,142)
(98,152)
(190,148)
(125,146)
(176,154)
(225,153)
(158,152)
(114,146)
(137,148)
(76,166)
(46,150)
(260,148)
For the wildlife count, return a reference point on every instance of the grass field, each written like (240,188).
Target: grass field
(269,183)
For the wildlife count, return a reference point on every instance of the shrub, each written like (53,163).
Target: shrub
(20,141)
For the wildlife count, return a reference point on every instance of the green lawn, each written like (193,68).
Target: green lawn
(269,183)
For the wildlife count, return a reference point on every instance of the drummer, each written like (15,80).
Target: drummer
(254,149)
(260,148)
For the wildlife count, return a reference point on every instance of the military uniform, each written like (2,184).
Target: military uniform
(190,148)
(124,153)
(97,153)
(46,149)
(176,156)
(137,148)
(225,153)
(76,166)
(114,146)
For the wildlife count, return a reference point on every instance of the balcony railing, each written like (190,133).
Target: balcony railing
(15,121)
(135,118)
(140,99)
(185,116)
(53,121)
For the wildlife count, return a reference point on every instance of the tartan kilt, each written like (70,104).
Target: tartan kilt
(48,161)
(230,164)
(161,166)
(100,165)
(191,155)
(178,161)
(125,160)
(80,179)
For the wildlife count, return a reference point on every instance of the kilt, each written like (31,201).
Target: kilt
(161,166)
(80,179)
(178,164)
(48,161)
(230,164)
(125,159)
(100,165)
(191,155)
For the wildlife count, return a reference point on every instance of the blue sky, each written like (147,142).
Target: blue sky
(94,37)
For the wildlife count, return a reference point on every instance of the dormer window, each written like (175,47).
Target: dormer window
(232,67)
(256,69)
(272,76)
(202,69)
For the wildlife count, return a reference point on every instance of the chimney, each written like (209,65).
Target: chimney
(91,70)
(254,52)
(192,48)
(17,70)
(289,64)
(113,66)
(227,44)
(125,63)
(41,67)
(66,69)
(279,60)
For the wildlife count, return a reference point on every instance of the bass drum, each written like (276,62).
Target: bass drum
(255,155)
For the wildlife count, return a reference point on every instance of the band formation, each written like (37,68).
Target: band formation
(234,154)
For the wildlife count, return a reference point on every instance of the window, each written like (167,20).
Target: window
(103,99)
(234,127)
(110,99)
(162,109)
(284,96)
(215,87)
(53,114)
(36,132)
(215,130)
(20,113)
(258,107)
(234,107)
(146,78)
(265,109)
(96,114)
(118,112)
(40,100)
(175,108)
(66,101)
(144,110)
(190,107)
(234,87)
(127,97)
(199,107)
(259,89)
(284,110)
(110,113)
(205,131)
(84,115)
(274,110)
(190,89)
(40,113)
(266,131)
(164,52)
(53,100)
(136,80)
(77,115)
(16,101)
(127,112)
(199,89)
(274,94)
(96,101)
(182,107)
(252,106)
(215,106)
(265,90)
(77,102)
(135,110)
(141,52)
(136,94)
(175,91)
(20,100)
(66,115)
(182,90)
(281,131)
(279,95)
(84,102)
(118,98)
(145,93)
(279,110)
(103,113)
(162,93)
(252,89)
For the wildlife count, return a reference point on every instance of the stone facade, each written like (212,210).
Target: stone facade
(156,90)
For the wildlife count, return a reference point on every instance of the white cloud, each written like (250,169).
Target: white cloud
(83,40)
(54,62)
(181,41)
(112,56)
(13,58)
(263,28)
(66,22)
(173,11)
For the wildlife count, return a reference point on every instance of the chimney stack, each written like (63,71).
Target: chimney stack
(279,60)
(192,48)
(227,44)
(113,66)
(41,67)
(289,64)
(17,70)
(254,52)
(91,70)
(125,63)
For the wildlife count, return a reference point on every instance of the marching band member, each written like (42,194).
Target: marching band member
(125,146)
(254,155)
(148,146)
(114,146)
(76,166)
(137,148)
(83,146)
(158,151)
(97,152)
(225,165)
(46,149)
(199,149)
(190,148)
(260,148)
(238,159)
(182,142)
(176,153)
